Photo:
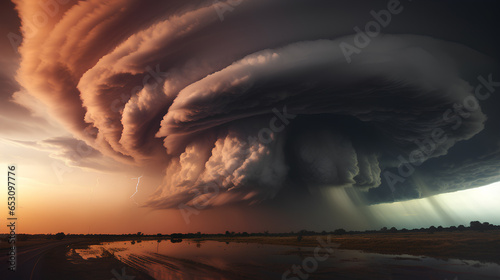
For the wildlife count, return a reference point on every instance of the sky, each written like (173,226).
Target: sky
(186,116)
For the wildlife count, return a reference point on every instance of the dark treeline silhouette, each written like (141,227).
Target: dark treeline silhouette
(177,237)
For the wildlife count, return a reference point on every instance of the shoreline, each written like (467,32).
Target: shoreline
(469,245)
(466,245)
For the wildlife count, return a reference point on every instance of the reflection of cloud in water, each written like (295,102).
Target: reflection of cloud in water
(91,253)
(217,260)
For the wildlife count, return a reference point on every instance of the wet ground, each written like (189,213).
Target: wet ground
(205,260)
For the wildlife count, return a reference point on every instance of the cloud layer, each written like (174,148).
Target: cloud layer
(244,110)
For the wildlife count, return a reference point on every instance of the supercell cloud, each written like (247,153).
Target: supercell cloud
(252,96)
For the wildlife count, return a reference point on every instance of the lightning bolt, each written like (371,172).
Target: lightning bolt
(136,188)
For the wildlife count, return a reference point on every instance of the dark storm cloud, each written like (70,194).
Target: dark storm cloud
(255,96)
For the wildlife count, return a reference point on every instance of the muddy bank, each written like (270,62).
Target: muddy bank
(62,263)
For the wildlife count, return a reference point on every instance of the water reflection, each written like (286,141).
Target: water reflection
(204,260)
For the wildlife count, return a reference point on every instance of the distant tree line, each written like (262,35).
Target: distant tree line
(473,226)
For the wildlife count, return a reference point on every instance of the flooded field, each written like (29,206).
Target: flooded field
(204,260)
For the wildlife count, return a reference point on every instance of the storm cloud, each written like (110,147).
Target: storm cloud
(250,98)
